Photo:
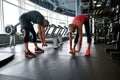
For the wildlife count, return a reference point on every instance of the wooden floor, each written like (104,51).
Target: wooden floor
(58,64)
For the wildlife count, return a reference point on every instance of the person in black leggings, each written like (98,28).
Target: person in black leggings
(77,24)
(87,31)
(26,21)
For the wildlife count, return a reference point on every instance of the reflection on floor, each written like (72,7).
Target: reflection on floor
(58,64)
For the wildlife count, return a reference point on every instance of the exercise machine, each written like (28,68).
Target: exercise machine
(11,31)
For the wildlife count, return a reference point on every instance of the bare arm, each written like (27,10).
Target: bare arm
(42,36)
(80,35)
(70,38)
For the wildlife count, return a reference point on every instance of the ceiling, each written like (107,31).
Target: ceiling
(107,9)
(66,7)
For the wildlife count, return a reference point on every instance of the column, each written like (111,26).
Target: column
(1,17)
(78,7)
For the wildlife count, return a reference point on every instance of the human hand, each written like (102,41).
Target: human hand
(75,50)
(72,51)
(44,44)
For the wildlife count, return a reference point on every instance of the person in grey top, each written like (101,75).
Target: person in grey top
(26,21)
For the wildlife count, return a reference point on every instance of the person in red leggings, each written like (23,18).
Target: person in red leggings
(77,24)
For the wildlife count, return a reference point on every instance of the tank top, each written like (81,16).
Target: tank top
(81,17)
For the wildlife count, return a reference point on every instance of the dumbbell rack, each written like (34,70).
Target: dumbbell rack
(115,53)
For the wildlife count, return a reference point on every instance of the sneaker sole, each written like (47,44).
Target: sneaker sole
(40,51)
(87,54)
(29,56)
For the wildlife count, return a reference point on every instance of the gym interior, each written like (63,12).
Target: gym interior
(56,63)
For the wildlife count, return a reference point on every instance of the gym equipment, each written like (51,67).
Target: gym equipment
(11,31)
(56,42)
(53,35)
(110,34)
(56,35)
(115,53)
(100,31)
(65,31)
(7,57)
(117,49)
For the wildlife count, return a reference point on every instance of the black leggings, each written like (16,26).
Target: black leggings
(87,31)
(28,27)
(27,32)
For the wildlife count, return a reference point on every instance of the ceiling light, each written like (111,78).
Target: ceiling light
(98,5)
(94,2)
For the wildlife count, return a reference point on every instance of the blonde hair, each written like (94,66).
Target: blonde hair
(45,22)
(71,27)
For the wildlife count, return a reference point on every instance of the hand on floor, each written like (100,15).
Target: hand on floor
(44,44)
(72,51)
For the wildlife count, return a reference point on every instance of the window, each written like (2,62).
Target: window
(29,6)
(12,1)
(12,9)
(10,14)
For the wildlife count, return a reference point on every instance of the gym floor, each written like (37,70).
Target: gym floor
(58,64)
